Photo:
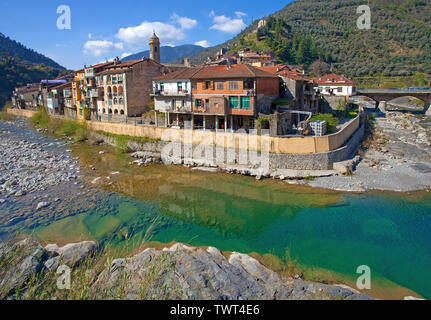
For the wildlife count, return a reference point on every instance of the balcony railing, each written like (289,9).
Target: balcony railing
(94,93)
(182,93)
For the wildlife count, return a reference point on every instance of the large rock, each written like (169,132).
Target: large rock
(72,254)
(21,261)
(182,272)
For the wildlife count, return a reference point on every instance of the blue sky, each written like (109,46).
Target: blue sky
(104,29)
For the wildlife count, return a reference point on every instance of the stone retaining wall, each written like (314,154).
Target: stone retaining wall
(299,153)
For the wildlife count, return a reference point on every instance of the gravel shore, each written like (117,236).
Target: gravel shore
(398,159)
(30,162)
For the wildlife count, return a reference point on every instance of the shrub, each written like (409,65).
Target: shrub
(41,118)
(122,144)
(330,119)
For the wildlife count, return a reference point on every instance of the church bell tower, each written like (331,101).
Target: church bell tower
(155,48)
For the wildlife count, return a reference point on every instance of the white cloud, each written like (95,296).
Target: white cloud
(240,14)
(141,34)
(184,22)
(90,36)
(125,54)
(203,43)
(227,24)
(99,47)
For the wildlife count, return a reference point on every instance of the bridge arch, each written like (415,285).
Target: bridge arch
(383,96)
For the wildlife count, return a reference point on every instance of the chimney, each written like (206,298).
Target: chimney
(228,65)
(187,62)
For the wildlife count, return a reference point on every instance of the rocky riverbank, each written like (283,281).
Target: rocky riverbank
(396,158)
(177,272)
(30,163)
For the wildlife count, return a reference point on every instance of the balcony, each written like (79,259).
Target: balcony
(89,73)
(93,93)
(182,93)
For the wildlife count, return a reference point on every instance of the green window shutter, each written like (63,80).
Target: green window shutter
(233,102)
(245,102)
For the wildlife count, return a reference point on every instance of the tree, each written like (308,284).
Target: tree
(319,68)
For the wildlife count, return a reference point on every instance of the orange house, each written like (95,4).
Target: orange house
(232,96)
(227,97)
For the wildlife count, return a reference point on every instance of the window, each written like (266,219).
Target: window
(207,103)
(233,102)
(180,86)
(198,103)
(194,85)
(233,85)
(208,85)
(340,89)
(248,84)
(245,103)
(220,85)
(162,86)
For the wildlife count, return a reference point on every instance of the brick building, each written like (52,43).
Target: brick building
(217,97)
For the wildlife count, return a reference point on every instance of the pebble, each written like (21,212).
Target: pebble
(42,205)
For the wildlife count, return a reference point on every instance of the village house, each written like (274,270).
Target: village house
(216,97)
(57,97)
(85,92)
(297,88)
(334,84)
(124,88)
(26,97)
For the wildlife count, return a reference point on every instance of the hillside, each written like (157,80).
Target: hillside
(399,42)
(16,49)
(168,54)
(16,72)
(20,65)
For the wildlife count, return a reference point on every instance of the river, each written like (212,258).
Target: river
(327,234)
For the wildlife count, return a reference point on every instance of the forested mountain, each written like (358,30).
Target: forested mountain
(398,43)
(20,65)
(168,54)
(16,49)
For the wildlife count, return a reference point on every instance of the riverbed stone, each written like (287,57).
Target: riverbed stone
(74,253)
(42,205)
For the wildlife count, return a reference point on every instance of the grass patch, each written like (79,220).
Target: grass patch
(330,119)
(41,118)
(122,141)
(79,131)
(4,115)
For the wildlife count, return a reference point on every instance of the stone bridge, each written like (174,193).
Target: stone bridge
(383,96)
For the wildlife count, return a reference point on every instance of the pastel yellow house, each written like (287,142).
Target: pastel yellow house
(77,93)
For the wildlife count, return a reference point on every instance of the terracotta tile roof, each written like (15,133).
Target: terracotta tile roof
(284,71)
(218,72)
(101,65)
(235,71)
(63,85)
(112,71)
(183,74)
(333,79)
